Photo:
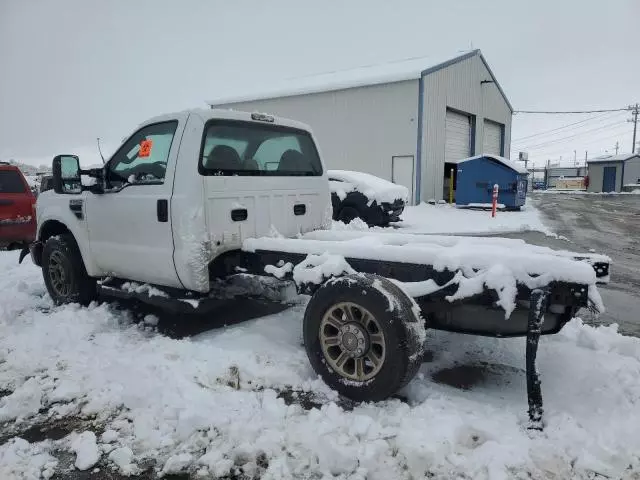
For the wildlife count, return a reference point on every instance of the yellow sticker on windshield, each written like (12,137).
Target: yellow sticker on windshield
(145,148)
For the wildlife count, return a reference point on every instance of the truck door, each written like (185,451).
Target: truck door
(130,224)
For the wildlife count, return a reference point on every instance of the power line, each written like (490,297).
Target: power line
(561,139)
(587,142)
(591,140)
(563,112)
(545,132)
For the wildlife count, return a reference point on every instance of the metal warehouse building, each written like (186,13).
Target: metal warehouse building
(402,121)
(613,172)
(553,174)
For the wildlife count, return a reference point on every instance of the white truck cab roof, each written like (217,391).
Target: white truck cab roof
(207,114)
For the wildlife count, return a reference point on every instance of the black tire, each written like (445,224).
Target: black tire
(403,332)
(347,214)
(64,272)
(376,217)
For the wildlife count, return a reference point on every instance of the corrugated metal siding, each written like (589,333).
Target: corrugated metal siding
(457,86)
(632,171)
(492,143)
(363,128)
(357,128)
(457,136)
(554,173)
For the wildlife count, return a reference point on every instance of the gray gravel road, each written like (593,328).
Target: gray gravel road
(608,224)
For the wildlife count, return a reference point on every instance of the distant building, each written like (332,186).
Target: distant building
(553,174)
(407,122)
(613,173)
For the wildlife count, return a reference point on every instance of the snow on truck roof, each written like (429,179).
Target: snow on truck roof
(505,161)
(365,75)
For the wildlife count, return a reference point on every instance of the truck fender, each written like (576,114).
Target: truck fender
(57,218)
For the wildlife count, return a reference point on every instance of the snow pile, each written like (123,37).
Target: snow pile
(374,188)
(135,287)
(445,218)
(279,271)
(20,459)
(172,402)
(355,224)
(315,269)
(86,450)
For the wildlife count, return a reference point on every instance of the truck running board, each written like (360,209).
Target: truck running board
(183,301)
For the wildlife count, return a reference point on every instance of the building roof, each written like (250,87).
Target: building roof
(623,157)
(366,75)
(505,161)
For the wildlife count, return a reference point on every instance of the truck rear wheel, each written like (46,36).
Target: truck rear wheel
(64,273)
(363,337)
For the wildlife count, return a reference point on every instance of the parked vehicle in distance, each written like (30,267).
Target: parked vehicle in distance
(361,195)
(17,209)
(539,185)
(195,202)
(46,183)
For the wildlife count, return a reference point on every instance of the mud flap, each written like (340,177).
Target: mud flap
(539,299)
(23,253)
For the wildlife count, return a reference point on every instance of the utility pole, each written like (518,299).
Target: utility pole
(617,147)
(585,158)
(635,109)
(575,158)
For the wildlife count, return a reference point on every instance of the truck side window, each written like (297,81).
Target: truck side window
(142,159)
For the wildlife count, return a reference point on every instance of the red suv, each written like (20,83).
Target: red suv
(17,209)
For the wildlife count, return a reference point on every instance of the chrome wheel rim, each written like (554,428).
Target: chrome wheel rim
(352,341)
(58,275)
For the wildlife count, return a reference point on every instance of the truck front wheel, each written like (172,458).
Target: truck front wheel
(363,337)
(64,273)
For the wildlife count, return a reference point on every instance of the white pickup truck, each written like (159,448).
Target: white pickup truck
(193,200)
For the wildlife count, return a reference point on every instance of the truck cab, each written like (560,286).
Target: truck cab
(184,188)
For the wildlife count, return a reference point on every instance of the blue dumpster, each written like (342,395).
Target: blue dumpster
(475,177)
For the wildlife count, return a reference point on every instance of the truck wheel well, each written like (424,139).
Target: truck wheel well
(51,228)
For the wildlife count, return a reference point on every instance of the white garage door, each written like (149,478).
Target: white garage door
(457,136)
(492,141)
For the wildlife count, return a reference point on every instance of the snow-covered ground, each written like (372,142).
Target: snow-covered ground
(444,218)
(244,399)
(584,192)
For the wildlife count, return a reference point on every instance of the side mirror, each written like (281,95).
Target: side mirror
(66,174)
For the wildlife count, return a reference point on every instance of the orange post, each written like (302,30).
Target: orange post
(494,200)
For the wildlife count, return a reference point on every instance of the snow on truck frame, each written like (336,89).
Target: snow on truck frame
(203,204)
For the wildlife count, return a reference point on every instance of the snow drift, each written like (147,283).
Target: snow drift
(213,403)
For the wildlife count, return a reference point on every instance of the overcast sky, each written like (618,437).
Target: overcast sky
(71,71)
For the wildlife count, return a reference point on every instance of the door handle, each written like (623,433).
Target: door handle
(162,210)
(239,214)
(299,209)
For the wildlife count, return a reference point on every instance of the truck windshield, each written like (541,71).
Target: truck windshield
(246,148)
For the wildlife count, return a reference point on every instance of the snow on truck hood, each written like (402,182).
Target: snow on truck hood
(374,188)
